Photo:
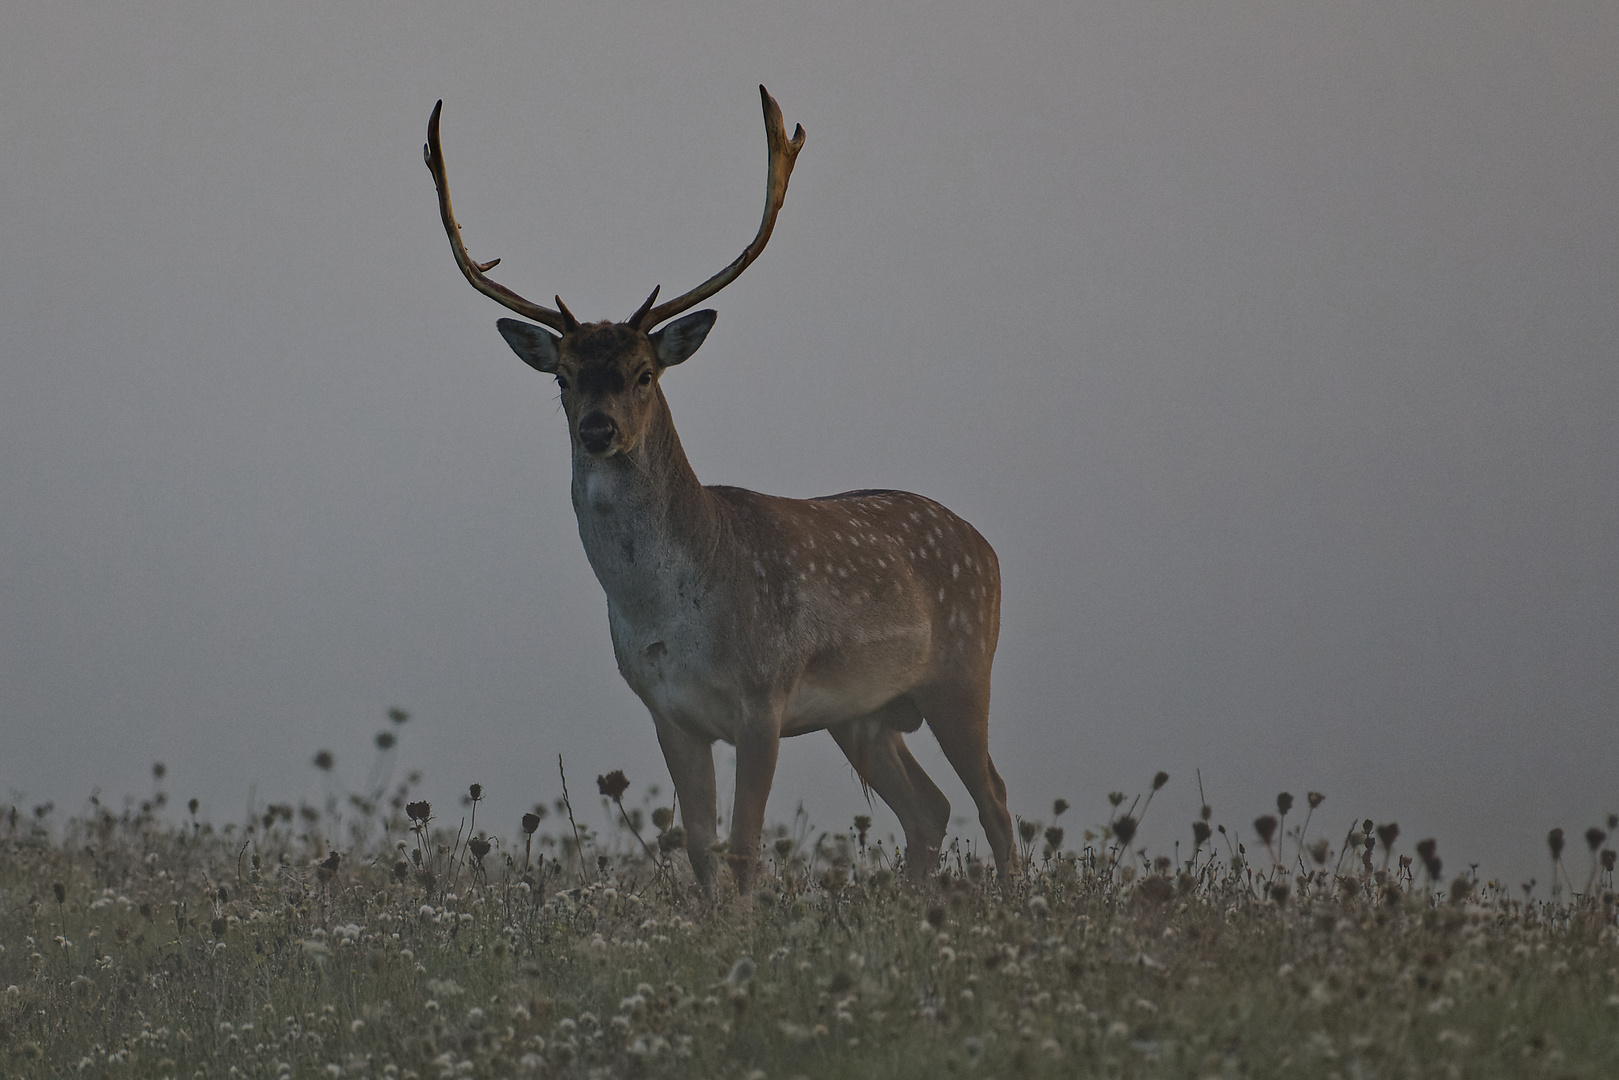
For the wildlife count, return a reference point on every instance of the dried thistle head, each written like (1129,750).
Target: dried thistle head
(1594,837)
(479,847)
(1159,779)
(1028,830)
(475,792)
(324,760)
(1058,807)
(158,770)
(1554,840)
(1265,826)
(1284,803)
(530,823)
(1200,834)
(1054,837)
(1387,834)
(1319,851)
(1315,799)
(1115,797)
(662,818)
(385,740)
(419,811)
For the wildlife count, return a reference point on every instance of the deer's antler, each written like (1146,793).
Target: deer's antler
(783,152)
(475,271)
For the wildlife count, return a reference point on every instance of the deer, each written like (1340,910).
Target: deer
(746,618)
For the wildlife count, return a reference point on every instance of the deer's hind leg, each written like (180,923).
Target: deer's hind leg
(875,746)
(959,718)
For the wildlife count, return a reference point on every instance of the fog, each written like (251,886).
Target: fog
(1274,346)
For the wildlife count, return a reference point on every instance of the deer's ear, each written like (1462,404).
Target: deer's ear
(535,345)
(680,338)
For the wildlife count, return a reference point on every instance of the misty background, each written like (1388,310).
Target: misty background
(1274,346)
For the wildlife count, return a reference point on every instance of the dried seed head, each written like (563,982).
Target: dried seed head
(783,847)
(1388,834)
(1366,826)
(1054,838)
(419,811)
(1607,860)
(1115,797)
(324,760)
(329,864)
(1315,799)
(662,818)
(1594,837)
(1265,826)
(1200,834)
(192,806)
(530,823)
(1554,840)
(1159,779)
(398,716)
(479,847)
(1284,803)
(475,792)
(613,785)
(385,740)
(1320,850)
(1124,829)
(158,769)
(1058,807)
(61,893)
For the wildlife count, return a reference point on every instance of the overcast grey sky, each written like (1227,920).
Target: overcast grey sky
(1275,347)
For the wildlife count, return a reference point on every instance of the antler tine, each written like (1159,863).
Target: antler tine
(783,153)
(434,156)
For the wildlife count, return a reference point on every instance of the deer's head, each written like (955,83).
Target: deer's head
(608,371)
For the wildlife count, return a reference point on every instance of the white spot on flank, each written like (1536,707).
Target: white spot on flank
(941,594)
(955,570)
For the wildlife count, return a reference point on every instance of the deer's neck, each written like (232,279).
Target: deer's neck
(649,527)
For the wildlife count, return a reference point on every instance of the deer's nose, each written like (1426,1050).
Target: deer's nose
(596,431)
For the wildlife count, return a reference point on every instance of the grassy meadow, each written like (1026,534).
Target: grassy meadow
(388,938)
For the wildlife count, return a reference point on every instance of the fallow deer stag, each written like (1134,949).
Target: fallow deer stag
(748,617)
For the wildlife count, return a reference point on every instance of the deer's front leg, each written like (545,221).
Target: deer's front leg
(755,769)
(691,766)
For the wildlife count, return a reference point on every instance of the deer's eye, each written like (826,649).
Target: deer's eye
(562,382)
(645,379)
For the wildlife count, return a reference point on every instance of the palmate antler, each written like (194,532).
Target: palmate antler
(783,153)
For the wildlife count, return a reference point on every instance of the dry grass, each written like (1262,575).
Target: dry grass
(136,948)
